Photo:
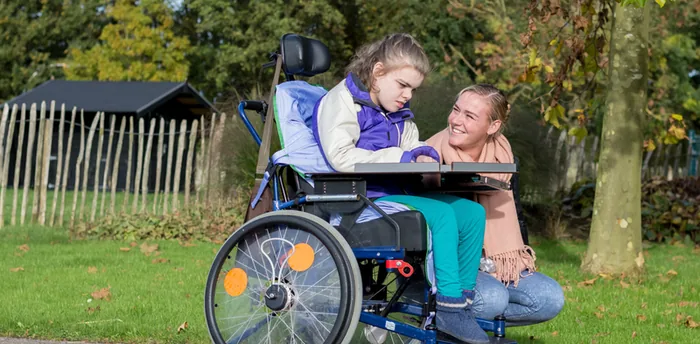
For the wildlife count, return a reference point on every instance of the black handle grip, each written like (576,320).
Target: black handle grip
(255,105)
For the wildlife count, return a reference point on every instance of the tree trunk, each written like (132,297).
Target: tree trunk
(615,243)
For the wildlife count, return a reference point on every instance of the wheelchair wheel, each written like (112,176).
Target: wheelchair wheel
(283,277)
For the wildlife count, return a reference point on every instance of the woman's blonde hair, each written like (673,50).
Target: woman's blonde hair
(393,51)
(500,109)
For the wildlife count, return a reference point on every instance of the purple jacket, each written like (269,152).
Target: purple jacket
(351,129)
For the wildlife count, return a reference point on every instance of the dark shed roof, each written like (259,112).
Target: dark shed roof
(116,96)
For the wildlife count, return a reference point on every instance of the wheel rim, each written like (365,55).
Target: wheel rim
(282,283)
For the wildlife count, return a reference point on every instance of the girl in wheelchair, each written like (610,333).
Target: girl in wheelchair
(513,288)
(366,119)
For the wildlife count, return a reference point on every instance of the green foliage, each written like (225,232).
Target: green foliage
(233,38)
(138,46)
(671,210)
(34,37)
(203,222)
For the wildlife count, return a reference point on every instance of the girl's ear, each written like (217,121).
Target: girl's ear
(378,69)
(494,127)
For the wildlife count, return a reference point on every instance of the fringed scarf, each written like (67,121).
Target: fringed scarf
(503,242)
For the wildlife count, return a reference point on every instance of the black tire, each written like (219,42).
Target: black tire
(348,276)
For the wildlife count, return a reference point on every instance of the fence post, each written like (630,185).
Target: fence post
(36,199)
(66,164)
(3,123)
(693,153)
(105,183)
(147,164)
(18,162)
(6,162)
(26,183)
(45,163)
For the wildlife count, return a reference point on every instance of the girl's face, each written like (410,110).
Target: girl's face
(393,90)
(470,121)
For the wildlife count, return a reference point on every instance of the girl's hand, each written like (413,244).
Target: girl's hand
(425,158)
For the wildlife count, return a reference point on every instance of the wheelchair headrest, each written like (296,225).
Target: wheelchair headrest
(304,56)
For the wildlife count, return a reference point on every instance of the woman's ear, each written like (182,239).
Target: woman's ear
(494,127)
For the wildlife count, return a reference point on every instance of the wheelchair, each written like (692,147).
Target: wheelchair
(308,269)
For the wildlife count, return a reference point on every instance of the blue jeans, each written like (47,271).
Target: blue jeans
(537,299)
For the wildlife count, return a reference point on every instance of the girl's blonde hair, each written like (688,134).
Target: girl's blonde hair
(500,109)
(393,51)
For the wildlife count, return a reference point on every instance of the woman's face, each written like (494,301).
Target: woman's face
(470,121)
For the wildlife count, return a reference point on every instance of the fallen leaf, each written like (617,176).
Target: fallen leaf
(182,327)
(23,248)
(587,282)
(624,285)
(601,308)
(148,249)
(634,334)
(92,270)
(690,323)
(555,333)
(671,273)
(91,310)
(124,249)
(688,303)
(159,260)
(103,293)
(599,315)
(17,269)
(567,288)
(133,244)
(187,244)
(644,305)
(680,317)
(641,317)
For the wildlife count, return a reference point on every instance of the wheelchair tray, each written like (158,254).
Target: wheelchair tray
(457,177)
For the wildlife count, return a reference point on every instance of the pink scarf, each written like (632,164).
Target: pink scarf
(503,242)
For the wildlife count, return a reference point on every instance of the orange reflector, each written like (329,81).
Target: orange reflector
(235,282)
(302,258)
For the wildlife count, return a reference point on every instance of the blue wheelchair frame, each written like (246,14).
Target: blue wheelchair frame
(380,254)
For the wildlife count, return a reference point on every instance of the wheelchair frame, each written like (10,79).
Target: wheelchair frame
(373,312)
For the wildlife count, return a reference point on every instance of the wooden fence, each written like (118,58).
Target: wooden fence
(578,160)
(65,157)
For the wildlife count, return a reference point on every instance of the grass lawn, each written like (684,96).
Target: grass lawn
(98,291)
(147,297)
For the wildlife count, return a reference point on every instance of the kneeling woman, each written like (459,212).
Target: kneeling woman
(514,289)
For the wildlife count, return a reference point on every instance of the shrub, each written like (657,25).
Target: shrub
(214,222)
(671,209)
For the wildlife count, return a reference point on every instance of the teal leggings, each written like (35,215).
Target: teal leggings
(457,227)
